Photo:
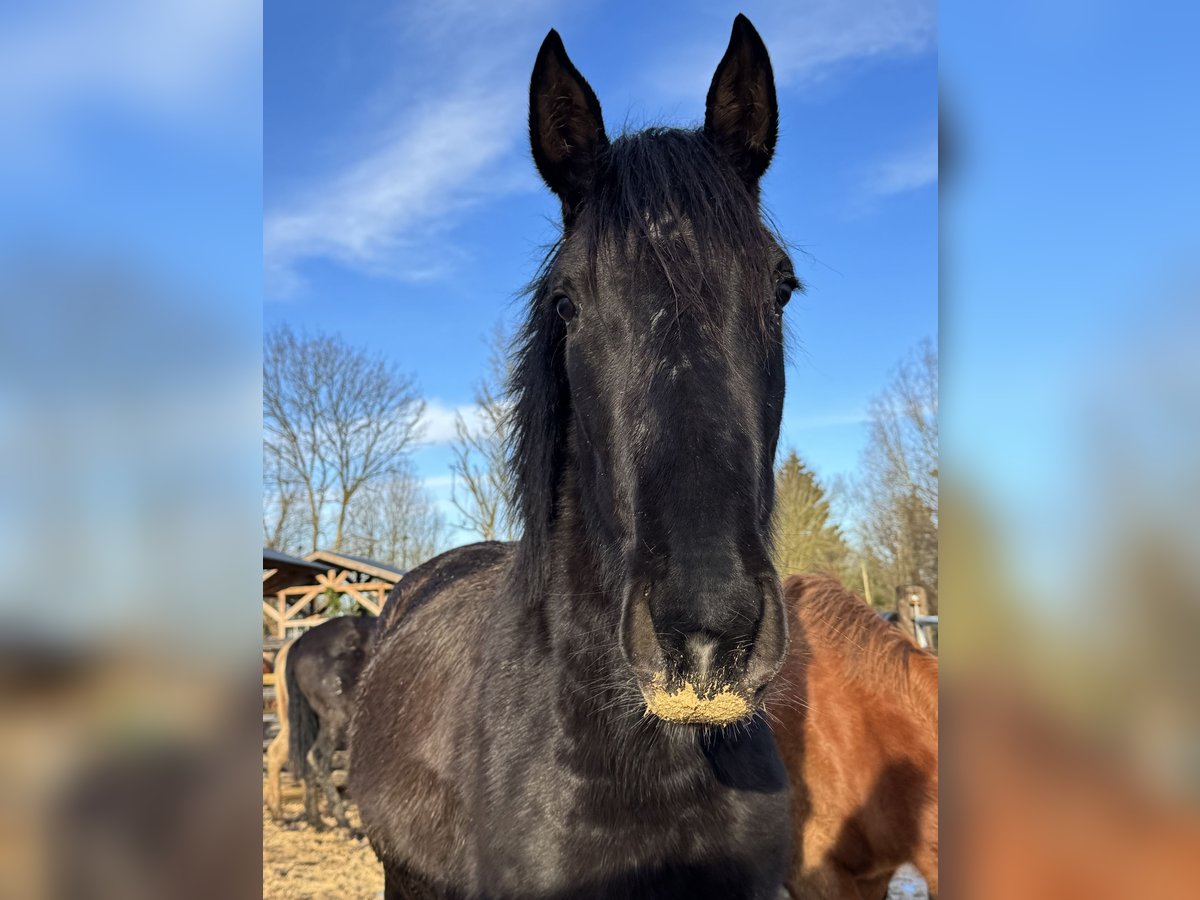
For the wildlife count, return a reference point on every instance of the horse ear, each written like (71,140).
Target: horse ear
(741,116)
(566,129)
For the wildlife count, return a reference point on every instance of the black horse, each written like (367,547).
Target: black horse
(578,714)
(321,674)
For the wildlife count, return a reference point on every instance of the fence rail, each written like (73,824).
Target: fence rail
(922,628)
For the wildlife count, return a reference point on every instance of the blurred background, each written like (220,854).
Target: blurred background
(130,296)
(1070,324)
(171,245)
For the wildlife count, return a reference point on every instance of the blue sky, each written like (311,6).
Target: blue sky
(401,207)
(135,131)
(132,134)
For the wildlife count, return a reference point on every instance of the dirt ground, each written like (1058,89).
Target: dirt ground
(302,864)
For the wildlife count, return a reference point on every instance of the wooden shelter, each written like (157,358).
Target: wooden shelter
(297,592)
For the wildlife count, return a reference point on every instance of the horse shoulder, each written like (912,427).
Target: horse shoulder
(412,730)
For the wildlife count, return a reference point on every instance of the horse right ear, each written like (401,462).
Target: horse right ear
(566,130)
(742,115)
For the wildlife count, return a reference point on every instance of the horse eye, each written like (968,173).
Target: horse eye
(565,308)
(784,290)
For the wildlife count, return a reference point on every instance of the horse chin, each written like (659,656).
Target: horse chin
(681,702)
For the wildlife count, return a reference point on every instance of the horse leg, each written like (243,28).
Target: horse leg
(312,811)
(276,758)
(277,750)
(825,882)
(322,759)
(879,887)
(926,862)
(926,856)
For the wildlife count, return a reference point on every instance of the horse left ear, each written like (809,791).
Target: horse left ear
(742,116)
(566,129)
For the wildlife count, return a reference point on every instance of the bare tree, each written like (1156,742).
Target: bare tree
(482,493)
(335,418)
(283,520)
(899,487)
(395,522)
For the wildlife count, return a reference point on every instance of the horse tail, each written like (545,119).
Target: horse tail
(302,725)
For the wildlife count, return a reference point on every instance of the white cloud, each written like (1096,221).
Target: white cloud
(809,41)
(912,169)
(383,212)
(390,206)
(438,423)
(438,482)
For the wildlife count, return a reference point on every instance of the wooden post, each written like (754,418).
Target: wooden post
(912,601)
(866,585)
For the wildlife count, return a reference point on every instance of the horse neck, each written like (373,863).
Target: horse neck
(600,706)
(582,611)
(923,686)
(576,615)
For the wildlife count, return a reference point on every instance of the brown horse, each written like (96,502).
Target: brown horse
(855,714)
(277,750)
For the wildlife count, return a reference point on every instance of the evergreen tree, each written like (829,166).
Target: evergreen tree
(805,538)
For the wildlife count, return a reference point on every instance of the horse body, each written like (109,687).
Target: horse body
(856,721)
(579,714)
(321,672)
(547,793)
(411,753)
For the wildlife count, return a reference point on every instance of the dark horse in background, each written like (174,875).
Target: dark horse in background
(321,672)
(579,714)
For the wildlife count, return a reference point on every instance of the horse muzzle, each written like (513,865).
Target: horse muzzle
(704,663)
